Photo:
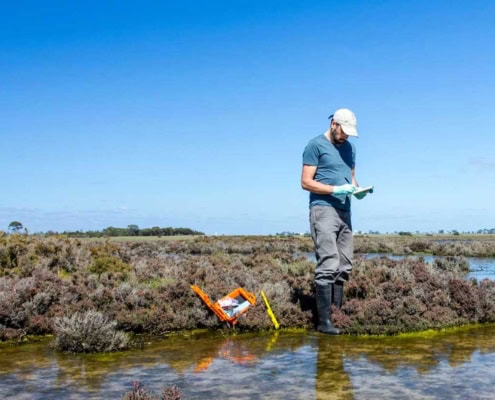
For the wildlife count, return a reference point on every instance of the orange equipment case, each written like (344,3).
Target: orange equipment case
(245,301)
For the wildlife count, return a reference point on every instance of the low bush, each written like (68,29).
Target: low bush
(387,296)
(103,264)
(452,263)
(88,332)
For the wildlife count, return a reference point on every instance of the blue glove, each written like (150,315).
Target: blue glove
(344,189)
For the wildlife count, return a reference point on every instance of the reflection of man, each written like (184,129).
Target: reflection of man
(332,382)
(328,174)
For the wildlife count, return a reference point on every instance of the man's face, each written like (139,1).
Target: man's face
(337,134)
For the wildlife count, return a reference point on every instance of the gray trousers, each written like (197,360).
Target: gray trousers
(331,231)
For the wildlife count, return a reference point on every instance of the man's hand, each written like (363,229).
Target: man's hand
(344,189)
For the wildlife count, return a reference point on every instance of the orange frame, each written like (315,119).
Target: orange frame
(219,311)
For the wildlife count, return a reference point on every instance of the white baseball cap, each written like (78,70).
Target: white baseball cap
(347,120)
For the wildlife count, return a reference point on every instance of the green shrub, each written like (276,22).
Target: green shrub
(103,264)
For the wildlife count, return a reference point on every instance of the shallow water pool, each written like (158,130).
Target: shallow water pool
(281,365)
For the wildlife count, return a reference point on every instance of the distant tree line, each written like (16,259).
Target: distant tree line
(486,231)
(132,230)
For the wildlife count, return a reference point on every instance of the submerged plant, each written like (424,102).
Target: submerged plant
(139,392)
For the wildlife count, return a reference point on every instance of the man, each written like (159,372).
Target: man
(328,174)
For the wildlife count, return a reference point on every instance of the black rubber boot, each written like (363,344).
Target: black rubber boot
(338,294)
(324,306)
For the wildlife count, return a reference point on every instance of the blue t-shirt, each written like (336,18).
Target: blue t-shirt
(334,167)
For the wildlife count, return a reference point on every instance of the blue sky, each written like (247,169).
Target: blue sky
(196,113)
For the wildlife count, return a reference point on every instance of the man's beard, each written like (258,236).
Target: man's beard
(333,135)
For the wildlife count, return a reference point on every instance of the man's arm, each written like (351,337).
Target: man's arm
(308,181)
(354,181)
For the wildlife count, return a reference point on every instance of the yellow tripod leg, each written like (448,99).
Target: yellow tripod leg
(269,310)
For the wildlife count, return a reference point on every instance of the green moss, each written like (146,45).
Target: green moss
(429,333)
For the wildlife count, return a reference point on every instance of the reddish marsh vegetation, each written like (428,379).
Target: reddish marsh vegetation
(145,286)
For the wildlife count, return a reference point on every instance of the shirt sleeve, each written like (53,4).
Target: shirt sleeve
(311,154)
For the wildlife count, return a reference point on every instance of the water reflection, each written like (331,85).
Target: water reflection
(332,381)
(263,366)
(430,366)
